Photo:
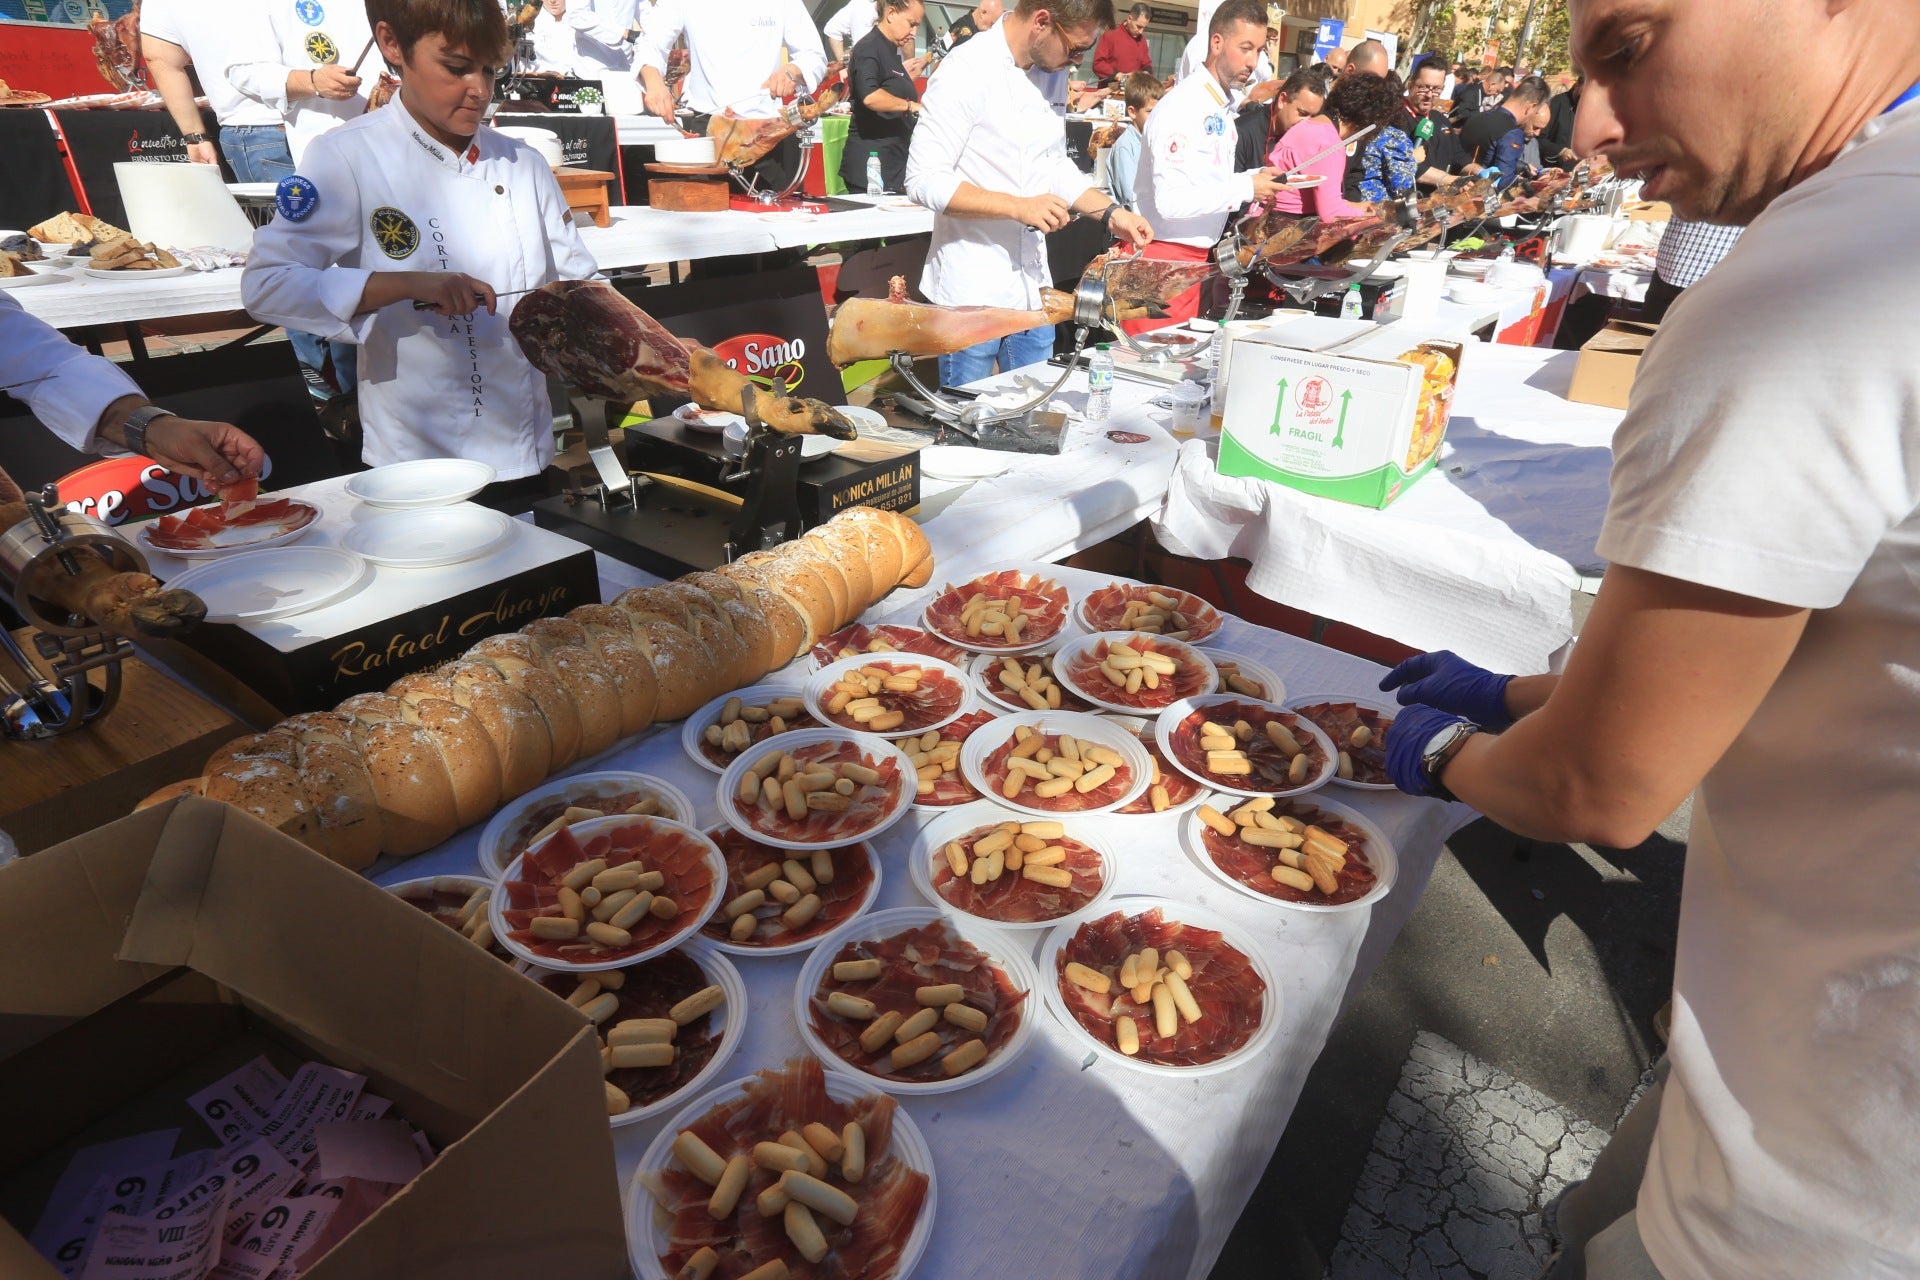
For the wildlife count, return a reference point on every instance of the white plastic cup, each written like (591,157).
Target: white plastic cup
(1190,405)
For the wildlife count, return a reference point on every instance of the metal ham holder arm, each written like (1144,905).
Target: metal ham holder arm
(751,185)
(1089,311)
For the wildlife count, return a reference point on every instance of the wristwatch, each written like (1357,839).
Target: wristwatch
(1439,753)
(134,429)
(192,139)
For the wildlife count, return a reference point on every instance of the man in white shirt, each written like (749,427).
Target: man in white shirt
(89,402)
(1194,57)
(591,40)
(1757,638)
(1186,179)
(213,35)
(850,22)
(990,159)
(743,55)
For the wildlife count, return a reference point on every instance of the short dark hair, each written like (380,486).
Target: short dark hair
(1363,99)
(1504,71)
(1533,89)
(1143,87)
(476,26)
(1232,13)
(1070,13)
(1141,10)
(882,8)
(1305,80)
(1431,64)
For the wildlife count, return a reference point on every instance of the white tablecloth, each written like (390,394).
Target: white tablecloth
(639,236)
(1479,556)
(1625,283)
(1059,1168)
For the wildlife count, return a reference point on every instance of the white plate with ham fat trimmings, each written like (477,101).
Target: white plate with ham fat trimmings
(1310,853)
(979,614)
(528,818)
(988,756)
(995,680)
(890,695)
(892,1200)
(859,640)
(1130,606)
(1111,671)
(1363,764)
(782,901)
(424,482)
(763,711)
(1282,753)
(828,815)
(917,1000)
(1242,675)
(1033,873)
(689,1003)
(460,903)
(1221,1012)
(552,904)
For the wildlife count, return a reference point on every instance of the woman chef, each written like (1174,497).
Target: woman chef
(417,203)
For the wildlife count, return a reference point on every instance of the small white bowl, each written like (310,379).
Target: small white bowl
(1380,856)
(927,853)
(646,1237)
(988,738)
(580,789)
(819,688)
(727,793)
(1170,719)
(1097,692)
(1235,936)
(729,1023)
(1011,956)
(497,904)
(424,482)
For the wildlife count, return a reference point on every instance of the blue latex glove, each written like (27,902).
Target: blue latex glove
(1448,681)
(1407,742)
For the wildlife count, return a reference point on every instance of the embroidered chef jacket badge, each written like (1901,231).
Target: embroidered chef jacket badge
(396,234)
(295,198)
(322,49)
(1215,126)
(310,12)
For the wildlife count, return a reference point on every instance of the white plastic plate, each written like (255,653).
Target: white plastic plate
(1015,958)
(429,537)
(1094,690)
(710,421)
(425,482)
(987,739)
(1384,706)
(246,537)
(30,281)
(695,725)
(926,855)
(646,1240)
(1197,609)
(1199,917)
(819,687)
(274,583)
(1173,715)
(809,943)
(1275,689)
(1380,856)
(726,795)
(158,273)
(963,462)
(580,789)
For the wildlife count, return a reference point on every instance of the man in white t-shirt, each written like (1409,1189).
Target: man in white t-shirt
(1757,637)
(213,35)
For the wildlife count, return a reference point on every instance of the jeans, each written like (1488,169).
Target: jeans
(1015,351)
(256,152)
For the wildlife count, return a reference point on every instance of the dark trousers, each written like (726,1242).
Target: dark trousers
(1660,296)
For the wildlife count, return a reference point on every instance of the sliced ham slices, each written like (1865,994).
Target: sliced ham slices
(1008,611)
(218,528)
(860,639)
(546,884)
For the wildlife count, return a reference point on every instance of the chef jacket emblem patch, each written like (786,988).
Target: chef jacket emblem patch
(310,12)
(322,49)
(1216,126)
(295,198)
(395,233)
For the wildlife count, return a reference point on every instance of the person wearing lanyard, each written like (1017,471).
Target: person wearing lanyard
(416,203)
(734,49)
(989,157)
(885,102)
(1750,636)
(591,40)
(1186,178)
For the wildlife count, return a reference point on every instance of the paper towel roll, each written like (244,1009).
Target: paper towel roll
(182,206)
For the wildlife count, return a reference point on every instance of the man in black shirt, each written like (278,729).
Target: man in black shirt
(980,18)
(1480,135)
(1556,144)
(884,99)
(1429,127)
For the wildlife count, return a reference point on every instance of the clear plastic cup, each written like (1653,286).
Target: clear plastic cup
(1190,405)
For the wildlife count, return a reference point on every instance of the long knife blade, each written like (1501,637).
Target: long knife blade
(1341,145)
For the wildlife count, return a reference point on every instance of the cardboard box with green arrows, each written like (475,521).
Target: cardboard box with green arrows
(1358,426)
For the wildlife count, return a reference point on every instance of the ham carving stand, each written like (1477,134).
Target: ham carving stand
(53,541)
(790,113)
(1002,428)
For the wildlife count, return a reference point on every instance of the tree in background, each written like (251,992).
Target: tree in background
(1529,33)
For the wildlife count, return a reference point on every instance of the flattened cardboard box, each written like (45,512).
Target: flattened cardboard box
(149,957)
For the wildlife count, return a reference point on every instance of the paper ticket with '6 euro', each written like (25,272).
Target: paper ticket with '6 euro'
(164,1245)
(235,1106)
(280,1239)
(316,1095)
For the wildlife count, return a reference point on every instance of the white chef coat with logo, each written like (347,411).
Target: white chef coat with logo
(733,46)
(311,34)
(855,19)
(1185,182)
(986,122)
(218,34)
(387,197)
(589,43)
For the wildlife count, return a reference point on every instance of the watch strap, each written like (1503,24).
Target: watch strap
(192,139)
(1437,759)
(134,430)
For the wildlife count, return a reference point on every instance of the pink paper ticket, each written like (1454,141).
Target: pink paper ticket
(235,1106)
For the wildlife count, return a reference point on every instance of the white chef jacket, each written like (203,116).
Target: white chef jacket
(1185,183)
(733,46)
(311,34)
(218,34)
(987,122)
(387,197)
(855,19)
(66,387)
(589,42)
(1193,59)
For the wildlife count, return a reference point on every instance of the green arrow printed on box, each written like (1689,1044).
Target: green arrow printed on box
(1340,431)
(1279,408)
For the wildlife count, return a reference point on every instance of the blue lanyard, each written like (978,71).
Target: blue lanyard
(1903,99)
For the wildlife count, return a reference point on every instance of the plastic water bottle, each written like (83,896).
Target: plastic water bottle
(876,185)
(1353,306)
(1099,384)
